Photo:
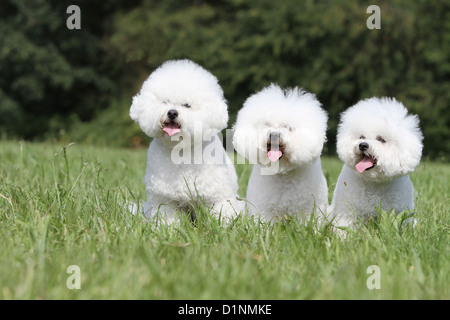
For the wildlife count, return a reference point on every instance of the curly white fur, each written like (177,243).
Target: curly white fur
(282,133)
(380,145)
(181,106)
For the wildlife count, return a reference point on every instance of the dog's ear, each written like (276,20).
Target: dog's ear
(214,113)
(410,147)
(238,140)
(137,110)
(245,142)
(221,115)
(140,112)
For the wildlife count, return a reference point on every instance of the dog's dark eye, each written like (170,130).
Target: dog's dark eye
(381,139)
(186,105)
(362,137)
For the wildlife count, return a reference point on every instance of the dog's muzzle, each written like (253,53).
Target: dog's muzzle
(275,146)
(171,126)
(367,161)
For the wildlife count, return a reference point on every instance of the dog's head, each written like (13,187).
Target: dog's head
(179,98)
(287,127)
(377,138)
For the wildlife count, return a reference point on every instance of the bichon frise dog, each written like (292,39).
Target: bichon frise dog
(182,106)
(380,145)
(282,133)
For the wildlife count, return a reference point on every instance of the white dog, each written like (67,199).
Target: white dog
(380,145)
(282,133)
(181,106)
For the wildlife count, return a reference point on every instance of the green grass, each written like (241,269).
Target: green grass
(61,207)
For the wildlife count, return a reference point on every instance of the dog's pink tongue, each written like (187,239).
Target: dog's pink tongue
(364,164)
(171,129)
(274,155)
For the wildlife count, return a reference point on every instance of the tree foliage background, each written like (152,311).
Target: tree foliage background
(58,83)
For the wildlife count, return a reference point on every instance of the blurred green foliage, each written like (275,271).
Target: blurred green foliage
(82,81)
(51,76)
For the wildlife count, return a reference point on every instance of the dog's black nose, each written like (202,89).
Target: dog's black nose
(274,137)
(274,141)
(172,114)
(363,146)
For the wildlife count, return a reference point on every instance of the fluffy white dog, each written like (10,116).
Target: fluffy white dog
(282,133)
(181,106)
(380,145)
